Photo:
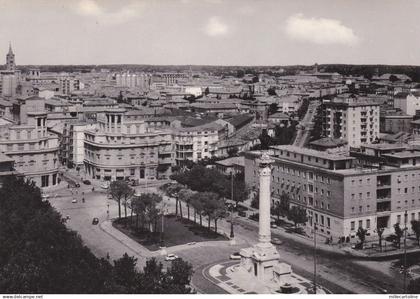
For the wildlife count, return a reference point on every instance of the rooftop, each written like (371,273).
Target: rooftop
(232,161)
(311,152)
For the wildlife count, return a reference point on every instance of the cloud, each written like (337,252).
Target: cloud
(216,27)
(319,31)
(246,10)
(91,8)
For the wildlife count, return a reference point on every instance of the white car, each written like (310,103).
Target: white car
(74,200)
(104,186)
(171,257)
(45,196)
(235,256)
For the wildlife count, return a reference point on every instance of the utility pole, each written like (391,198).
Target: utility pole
(232,235)
(315,228)
(405,251)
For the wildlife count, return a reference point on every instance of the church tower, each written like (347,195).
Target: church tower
(10,59)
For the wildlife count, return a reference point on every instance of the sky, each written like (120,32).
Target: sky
(211,32)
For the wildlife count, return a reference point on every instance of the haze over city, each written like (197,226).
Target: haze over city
(211,32)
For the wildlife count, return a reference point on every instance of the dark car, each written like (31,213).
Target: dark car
(95,221)
(76,185)
(87,182)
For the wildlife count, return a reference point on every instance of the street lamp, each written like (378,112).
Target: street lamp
(315,228)
(232,235)
(405,251)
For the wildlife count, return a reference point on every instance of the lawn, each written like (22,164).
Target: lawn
(176,232)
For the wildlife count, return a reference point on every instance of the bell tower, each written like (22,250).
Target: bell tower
(10,59)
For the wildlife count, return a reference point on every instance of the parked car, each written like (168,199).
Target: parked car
(191,243)
(86,182)
(45,196)
(74,200)
(95,221)
(235,256)
(104,185)
(171,257)
(273,225)
(242,214)
(276,241)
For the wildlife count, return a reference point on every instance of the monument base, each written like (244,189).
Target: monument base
(263,262)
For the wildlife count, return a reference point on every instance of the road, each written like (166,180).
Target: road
(306,125)
(338,273)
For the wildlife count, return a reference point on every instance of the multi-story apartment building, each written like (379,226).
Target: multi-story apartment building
(32,147)
(408,103)
(356,120)
(72,152)
(341,194)
(196,143)
(68,84)
(118,148)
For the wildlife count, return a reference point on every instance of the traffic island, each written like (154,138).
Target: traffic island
(176,231)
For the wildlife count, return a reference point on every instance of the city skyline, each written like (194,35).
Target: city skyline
(185,32)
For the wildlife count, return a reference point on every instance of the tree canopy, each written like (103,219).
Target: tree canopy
(38,254)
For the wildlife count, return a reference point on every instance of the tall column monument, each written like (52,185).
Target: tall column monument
(262,260)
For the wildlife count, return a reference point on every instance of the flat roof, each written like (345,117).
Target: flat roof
(404,155)
(311,152)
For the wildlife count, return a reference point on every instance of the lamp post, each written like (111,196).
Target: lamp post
(232,235)
(315,228)
(405,251)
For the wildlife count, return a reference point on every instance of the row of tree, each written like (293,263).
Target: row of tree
(208,204)
(38,254)
(203,179)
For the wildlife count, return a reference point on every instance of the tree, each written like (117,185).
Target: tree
(415,226)
(151,212)
(361,234)
(119,190)
(210,204)
(297,215)
(272,108)
(139,208)
(172,191)
(393,78)
(271,91)
(414,286)
(398,233)
(265,140)
(284,204)
(179,274)
(186,195)
(125,273)
(126,201)
(197,203)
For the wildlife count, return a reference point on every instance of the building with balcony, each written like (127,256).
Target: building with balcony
(339,193)
(32,147)
(196,143)
(353,119)
(117,148)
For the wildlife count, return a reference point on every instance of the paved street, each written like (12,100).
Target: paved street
(307,122)
(338,273)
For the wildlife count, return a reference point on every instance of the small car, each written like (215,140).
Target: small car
(171,257)
(191,243)
(86,182)
(45,196)
(76,185)
(95,221)
(273,225)
(276,241)
(235,256)
(104,186)
(74,200)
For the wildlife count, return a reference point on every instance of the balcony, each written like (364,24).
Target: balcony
(383,199)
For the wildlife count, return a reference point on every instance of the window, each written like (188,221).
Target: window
(328,193)
(360,223)
(368,194)
(360,195)
(405,190)
(328,222)
(398,218)
(328,206)
(368,224)
(368,181)
(352,225)
(360,182)
(360,208)
(352,196)
(322,220)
